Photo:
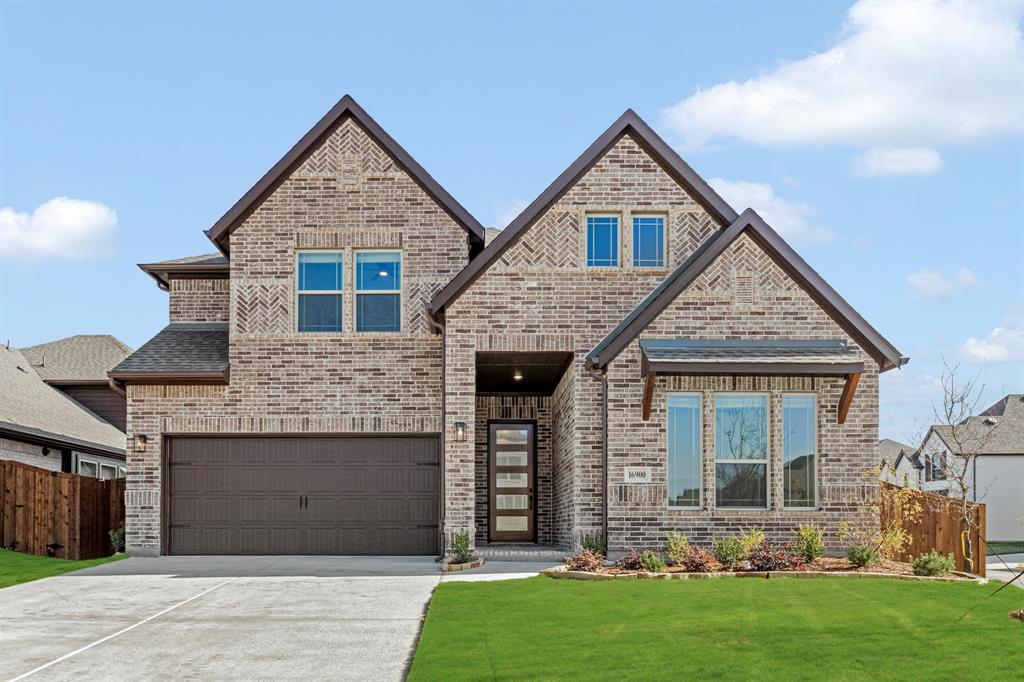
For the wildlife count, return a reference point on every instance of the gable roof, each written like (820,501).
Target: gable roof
(628,123)
(999,430)
(81,358)
(842,312)
(309,142)
(31,410)
(207,265)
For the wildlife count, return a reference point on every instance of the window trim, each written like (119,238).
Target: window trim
(664,239)
(618,239)
(357,292)
(767,461)
(817,448)
(95,463)
(299,293)
(700,451)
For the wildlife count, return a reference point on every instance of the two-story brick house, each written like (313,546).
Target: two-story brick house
(357,372)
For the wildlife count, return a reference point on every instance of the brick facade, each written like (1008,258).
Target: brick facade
(199,300)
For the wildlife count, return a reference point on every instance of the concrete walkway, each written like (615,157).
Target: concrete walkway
(1004,567)
(313,618)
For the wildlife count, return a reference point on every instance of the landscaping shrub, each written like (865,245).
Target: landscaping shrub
(117,539)
(933,564)
(652,562)
(861,556)
(458,550)
(764,558)
(676,546)
(729,551)
(698,560)
(593,542)
(633,561)
(752,539)
(809,543)
(585,560)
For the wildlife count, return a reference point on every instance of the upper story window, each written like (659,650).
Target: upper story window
(935,467)
(602,241)
(799,450)
(648,241)
(741,450)
(684,450)
(321,287)
(378,291)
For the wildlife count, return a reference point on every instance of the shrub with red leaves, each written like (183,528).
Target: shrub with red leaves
(698,560)
(1018,614)
(633,561)
(586,560)
(764,558)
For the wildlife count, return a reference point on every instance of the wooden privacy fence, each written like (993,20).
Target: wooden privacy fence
(939,529)
(55,514)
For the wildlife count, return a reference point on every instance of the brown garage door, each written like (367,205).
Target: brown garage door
(304,495)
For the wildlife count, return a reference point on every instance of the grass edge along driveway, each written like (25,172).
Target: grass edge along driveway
(779,629)
(17,567)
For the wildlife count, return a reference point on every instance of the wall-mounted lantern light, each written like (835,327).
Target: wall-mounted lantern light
(460,432)
(139,443)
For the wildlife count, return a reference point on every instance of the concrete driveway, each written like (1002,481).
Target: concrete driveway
(1005,568)
(219,618)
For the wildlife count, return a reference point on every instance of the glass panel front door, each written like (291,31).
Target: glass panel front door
(512,452)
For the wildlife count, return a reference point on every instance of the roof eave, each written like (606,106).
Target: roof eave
(212,377)
(49,439)
(164,272)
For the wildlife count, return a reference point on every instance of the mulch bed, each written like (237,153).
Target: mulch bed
(823,564)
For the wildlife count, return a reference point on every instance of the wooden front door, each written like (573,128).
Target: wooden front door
(512,464)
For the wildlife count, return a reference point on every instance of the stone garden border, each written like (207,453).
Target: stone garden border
(449,567)
(562,573)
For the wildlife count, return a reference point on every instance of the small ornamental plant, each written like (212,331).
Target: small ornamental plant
(729,551)
(676,546)
(752,539)
(652,562)
(459,550)
(698,560)
(594,542)
(764,558)
(933,564)
(117,539)
(585,560)
(861,556)
(632,561)
(810,543)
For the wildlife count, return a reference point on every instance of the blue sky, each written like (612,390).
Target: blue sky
(885,141)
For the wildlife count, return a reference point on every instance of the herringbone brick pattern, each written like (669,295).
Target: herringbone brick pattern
(554,244)
(262,309)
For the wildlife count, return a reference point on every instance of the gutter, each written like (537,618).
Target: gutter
(440,328)
(602,376)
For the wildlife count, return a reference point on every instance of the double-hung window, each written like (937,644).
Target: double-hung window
(741,450)
(648,241)
(378,291)
(799,450)
(684,449)
(602,241)
(320,291)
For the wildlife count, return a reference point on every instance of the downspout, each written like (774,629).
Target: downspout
(602,376)
(439,328)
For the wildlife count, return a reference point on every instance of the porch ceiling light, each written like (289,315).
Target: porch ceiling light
(517,375)
(460,432)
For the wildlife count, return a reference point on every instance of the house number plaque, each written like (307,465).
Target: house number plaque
(637,475)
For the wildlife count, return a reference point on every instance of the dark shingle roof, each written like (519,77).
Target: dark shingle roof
(181,347)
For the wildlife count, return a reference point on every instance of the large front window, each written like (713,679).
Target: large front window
(684,471)
(378,291)
(602,241)
(320,291)
(799,449)
(741,450)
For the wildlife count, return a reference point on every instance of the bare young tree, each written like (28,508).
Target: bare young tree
(967,436)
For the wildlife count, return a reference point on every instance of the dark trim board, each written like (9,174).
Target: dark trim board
(220,232)
(163,273)
(172,378)
(753,368)
(26,434)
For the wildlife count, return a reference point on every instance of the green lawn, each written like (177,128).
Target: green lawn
(16,567)
(743,629)
(993,548)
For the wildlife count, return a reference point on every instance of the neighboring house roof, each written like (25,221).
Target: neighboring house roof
(193,351)
(346,106)
(743,356)
(208,265)
(796,267)
(629,123)
(890,449)
(31,410)
(85,358)
(998,430)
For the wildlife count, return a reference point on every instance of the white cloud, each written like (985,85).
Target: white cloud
(879,161)
(902,73)
(1004,344)
(930,282)
(61,228)
(507,211)
(788,218)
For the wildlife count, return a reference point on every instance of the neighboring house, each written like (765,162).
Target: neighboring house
(995,476)
(900,464)
(357,373)
(45,426)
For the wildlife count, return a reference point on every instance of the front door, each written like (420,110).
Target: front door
(511,457)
